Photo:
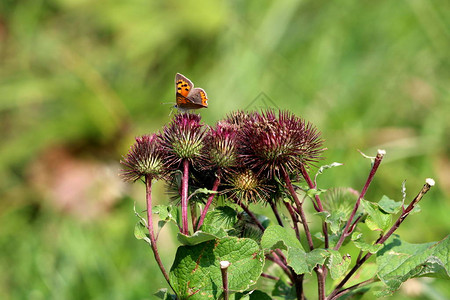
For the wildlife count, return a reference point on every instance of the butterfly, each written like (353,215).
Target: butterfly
(189,97)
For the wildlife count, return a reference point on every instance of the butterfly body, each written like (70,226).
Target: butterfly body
(187,96)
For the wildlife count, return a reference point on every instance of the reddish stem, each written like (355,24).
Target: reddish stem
(294,218)
(276,213)
(184,198)
(208,202)
(346,232)
(291,189)
(148,184)
(429,183)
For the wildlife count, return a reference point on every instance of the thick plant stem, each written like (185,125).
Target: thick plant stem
(291,189)
(208,202)
(224,270)
(346,232)
(429,183)
(320,282)
(184,198)
(299,286)
(148,184)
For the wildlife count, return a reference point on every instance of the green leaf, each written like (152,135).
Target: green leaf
(314,192)
(141,232)
(361,244)
(276,236)
(196,274)
(389,206)
(221,217)
(337,264)
(167,213)
(303,262)
(336,219)
(399,261)
(197,238)
(217,232)
(376,219)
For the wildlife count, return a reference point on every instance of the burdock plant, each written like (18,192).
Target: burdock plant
(253,163)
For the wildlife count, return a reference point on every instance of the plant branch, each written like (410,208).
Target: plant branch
(353,287)
(268,276)
(294,219)
(148,186)
(208,202)
(184,198)
(346,232)
(276,213)
(428,184)
(224,270)
(276,259)
(319,206)
(291,189)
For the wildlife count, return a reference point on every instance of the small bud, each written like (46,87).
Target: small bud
(430,181)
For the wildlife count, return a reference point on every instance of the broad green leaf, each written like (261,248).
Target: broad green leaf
(221,217)
(276,236)
(195,273)
(376,219)
(337,264)
(197,238)
(357,238)
(303,262)
(389,206)
(217,232)
(141,232)
(399,261)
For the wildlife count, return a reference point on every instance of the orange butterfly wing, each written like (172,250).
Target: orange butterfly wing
(188,97)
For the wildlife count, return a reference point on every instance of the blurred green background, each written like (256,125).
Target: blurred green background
(79,79)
